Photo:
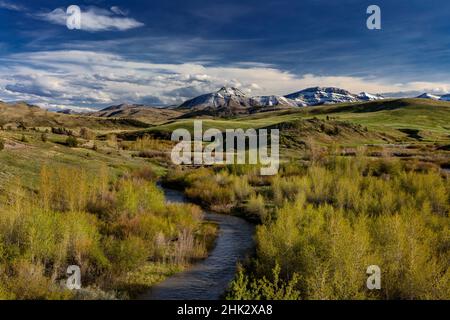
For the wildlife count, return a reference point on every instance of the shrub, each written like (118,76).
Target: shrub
(71,142)
(139,196)
(334,220)
(2,144)
(87,134)
(256,206)
(127,254)
(62,131)
(243,288)
(42,233)
(242,188)
(44,137)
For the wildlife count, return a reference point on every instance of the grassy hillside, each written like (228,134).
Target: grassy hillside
(428,116)
(145,114)
(25,152)
(407,120)
(28,116)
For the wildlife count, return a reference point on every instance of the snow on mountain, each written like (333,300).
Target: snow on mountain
(234,99)
(225,97)
(273,101)
(428,96)
(365,96)
(318,95)
(445,97)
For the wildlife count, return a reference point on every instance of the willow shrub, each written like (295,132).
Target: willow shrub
(108,227)
(218,190)
(334,220)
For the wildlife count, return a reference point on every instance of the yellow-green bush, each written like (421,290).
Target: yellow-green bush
(107,226)
(335,219)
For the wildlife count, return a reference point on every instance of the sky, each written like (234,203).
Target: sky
(162,52)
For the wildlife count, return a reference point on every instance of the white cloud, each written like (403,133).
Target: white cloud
(11,6)
(94,19)
(56,107)
(88,79)
(119,11)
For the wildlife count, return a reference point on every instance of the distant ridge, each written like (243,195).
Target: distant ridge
(230,100)
(428,96)
(144,113)
(329,95)
(445,97)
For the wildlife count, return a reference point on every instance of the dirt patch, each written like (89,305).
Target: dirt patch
(14,145)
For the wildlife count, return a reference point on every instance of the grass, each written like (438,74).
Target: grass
(138,282)
(25,158)
(430,118)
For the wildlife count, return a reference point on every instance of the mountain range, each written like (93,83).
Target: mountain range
(229,97)
(232,101)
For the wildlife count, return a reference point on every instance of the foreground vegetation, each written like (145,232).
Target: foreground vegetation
(343,218)
(76,197)
(110,228)
(323,223)
(360,185)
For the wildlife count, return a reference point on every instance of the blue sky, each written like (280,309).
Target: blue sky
(163,52)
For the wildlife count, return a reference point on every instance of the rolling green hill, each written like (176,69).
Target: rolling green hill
(416,119)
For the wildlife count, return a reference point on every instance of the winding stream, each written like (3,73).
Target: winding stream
(208,279)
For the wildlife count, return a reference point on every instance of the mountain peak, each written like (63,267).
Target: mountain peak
(427,95)
(230,91)
(326,90)
(322,95)
(365,96)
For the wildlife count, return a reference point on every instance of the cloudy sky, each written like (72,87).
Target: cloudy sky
(162,52)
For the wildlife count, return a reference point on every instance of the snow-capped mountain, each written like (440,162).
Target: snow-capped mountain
(318,95)
(235,100)
(225,97)
(273,101)
(428,96)
(365,96)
